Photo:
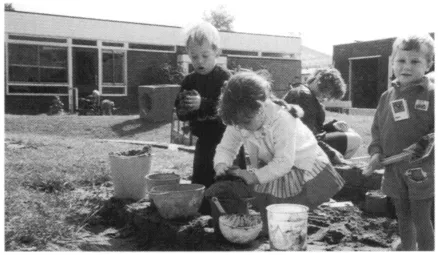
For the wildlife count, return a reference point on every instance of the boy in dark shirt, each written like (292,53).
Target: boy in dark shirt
(198,98)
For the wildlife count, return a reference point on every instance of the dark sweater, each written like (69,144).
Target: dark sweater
(205,122)
(314,113)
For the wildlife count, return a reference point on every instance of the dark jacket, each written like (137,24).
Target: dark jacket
(205,122)
(314,113)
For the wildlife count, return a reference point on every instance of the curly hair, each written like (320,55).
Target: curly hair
(329,82)
(242,96)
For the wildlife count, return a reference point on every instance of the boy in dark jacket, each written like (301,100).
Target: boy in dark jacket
(198,98)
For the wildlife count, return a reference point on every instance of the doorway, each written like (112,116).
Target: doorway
(85,70)
(364,81)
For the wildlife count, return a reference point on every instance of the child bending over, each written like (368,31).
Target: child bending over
(286,164)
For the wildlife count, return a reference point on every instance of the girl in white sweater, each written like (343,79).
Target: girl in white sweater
(286,164)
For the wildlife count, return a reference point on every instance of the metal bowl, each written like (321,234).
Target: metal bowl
(177,200)
(240,228)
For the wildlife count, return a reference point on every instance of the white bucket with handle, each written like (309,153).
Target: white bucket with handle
(128,174)
(287,225)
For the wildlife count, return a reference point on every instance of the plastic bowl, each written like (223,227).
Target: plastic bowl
(240,228)
(157,179)
(178,200)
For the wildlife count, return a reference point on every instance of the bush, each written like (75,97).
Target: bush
(163,74)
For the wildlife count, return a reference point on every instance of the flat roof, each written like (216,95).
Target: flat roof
(142,23)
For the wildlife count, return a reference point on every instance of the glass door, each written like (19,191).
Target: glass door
(85,70)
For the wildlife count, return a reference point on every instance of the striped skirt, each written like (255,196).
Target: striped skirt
(292,183)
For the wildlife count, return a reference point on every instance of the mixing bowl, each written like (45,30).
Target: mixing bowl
(238,228)
(177,200)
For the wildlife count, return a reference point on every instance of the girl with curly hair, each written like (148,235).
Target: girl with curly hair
(325,84)
(285,163)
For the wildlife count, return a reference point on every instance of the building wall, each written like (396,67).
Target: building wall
(342,53)
(284,68)
(283,71)
(30,104)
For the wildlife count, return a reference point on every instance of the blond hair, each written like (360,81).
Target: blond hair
(203,32)
(414,42)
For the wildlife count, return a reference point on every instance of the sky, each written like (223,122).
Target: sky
(320,24)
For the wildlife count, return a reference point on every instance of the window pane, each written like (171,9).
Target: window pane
(24,74)
(113,67)
(53,56)
(118,67)
(23,54)
(109,90)
(53,75)
(38,90)
(107,66)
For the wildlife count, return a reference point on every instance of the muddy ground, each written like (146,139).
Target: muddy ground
(124,225)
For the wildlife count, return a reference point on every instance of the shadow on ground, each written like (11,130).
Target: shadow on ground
(136,126)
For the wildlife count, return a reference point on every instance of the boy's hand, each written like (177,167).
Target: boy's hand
(193,101)
(341,126)
(220,169)
(249,177)
(375,163)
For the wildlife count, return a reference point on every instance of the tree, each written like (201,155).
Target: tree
(9,7)
(220,18)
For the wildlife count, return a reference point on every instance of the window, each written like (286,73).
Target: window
(112,63)
(37,63)
(113,72)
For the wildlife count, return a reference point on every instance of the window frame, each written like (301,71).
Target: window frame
(40,41)
(124,83)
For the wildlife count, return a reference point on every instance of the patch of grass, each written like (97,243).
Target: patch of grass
(54,166)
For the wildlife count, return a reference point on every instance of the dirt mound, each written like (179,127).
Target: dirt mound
(329,228)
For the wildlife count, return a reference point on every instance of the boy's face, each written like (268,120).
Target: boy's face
(203,57)
(410,66)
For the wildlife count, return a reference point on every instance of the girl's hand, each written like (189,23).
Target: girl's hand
(193,102)
(220,169)
(341,126)
(375,163)
(248,176)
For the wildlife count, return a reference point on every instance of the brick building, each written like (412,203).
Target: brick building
(51,55)
(366,68)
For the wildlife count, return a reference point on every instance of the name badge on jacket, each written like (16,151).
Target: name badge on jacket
(421,105)
(399,109)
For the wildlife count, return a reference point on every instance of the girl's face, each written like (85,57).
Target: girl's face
(203,57)
(254,122)
(410,66)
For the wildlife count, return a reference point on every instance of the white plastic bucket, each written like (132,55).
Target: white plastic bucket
(287,224)
(128,174)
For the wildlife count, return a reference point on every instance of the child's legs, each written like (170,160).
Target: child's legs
(346,143)
(420,211)
(203,171)
(354,140)
(337,140)
(405,224)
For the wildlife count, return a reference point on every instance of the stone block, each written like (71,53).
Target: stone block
(156,102)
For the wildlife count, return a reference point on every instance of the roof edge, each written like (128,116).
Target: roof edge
(140,23)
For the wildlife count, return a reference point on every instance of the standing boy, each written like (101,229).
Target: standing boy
(198,98)
(404,115)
